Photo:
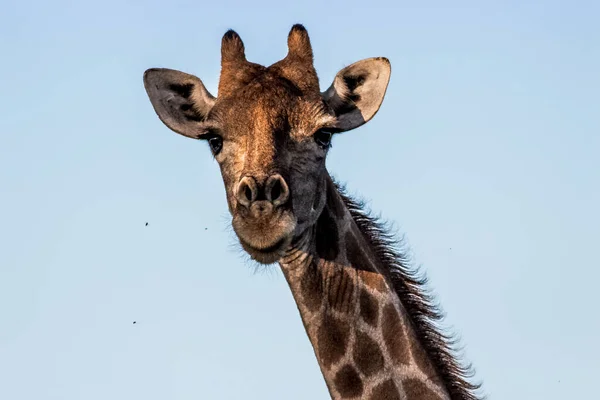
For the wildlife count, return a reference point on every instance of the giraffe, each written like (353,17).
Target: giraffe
(371,323)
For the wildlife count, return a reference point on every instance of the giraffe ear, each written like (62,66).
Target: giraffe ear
(180,100)
(358,91)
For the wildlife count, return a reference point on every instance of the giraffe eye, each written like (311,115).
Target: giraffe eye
(323,138)
(216,143)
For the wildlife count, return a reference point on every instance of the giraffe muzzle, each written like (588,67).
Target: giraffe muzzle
(263,220)
(258,194)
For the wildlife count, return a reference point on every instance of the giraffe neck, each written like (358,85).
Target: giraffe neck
(362,336)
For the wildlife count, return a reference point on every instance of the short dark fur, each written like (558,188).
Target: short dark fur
(352,82)
(183,90)
(230,34)
(410,288)
(327,237)
(298,27)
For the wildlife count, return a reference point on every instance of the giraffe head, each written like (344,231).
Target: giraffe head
(270,129)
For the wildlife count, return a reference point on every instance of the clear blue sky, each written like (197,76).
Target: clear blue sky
(486,154)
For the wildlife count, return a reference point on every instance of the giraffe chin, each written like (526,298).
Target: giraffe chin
(267,255)
(265,240)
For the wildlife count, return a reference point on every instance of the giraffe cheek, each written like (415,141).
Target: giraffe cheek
(308,197)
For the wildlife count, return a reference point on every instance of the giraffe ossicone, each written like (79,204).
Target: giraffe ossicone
(366,313)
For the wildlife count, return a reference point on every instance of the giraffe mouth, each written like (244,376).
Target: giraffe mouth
(269,249)
(265,239)
(269,254)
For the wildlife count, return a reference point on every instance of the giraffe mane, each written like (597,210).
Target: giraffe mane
(410,287)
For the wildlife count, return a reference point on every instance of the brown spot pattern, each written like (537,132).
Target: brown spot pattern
(311,286)
(373,280)
(348,382)
(415,389)
(367,355)
(361,263)
(332,338)
(368,308)
(423,362)
(394,336)
(341,291)
(385,391)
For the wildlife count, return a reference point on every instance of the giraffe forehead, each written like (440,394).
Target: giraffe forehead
(273,133)
(262,130)
(270,106)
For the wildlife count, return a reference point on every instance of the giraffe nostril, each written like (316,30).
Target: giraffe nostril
(276,190)
(246,191)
